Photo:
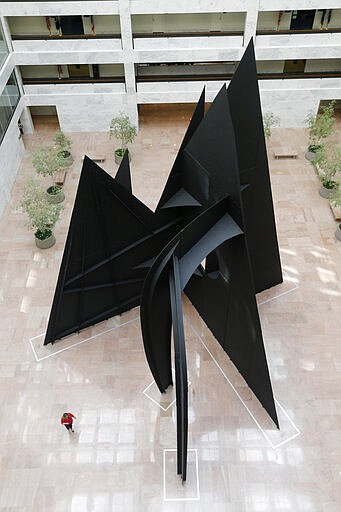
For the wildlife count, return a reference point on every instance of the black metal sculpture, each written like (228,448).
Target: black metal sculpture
(217,205)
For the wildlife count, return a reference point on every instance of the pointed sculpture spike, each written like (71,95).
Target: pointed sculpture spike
(123,176)
(175,178)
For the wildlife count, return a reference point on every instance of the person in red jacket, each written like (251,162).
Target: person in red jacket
(67,420)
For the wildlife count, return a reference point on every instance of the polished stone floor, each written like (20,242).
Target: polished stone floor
(121,456)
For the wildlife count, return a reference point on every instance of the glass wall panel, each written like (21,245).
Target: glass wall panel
(8,101)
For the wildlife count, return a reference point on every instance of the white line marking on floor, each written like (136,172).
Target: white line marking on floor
(298,432)
(78,342)
(197,498)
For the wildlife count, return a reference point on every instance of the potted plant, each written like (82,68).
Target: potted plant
(335,203)
(63,145)
(320,127)
(49,161)
(42,215)
(328,163)
(124,131)
(269,122)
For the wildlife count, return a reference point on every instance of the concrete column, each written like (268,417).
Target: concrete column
(251,22)
(7,33)
(129,72)
(128,58)
(26,120)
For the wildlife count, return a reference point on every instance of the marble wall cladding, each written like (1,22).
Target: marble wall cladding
(166,92)
(183,6)
(274,5)
(58,8)
(293,105)
(69,89)
(80,107)
(146,43)
(189,55)
(11,153)
(162,87)
(307,84)
(69,57)
(154,6)
(304,40)
(89,113)
(67,45)
(298,52)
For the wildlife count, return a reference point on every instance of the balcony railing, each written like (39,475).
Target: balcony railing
(189,34)
(45,37)
(227,76)
(73,80)
(273,32)
(180,78)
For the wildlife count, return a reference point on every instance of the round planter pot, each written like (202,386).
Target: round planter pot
(338,232)
(56,198)
(119,158)
(46,243)
(68,158)
(310,155)
(326,193)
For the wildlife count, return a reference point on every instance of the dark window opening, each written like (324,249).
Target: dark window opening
(70,25)
(294,66)
(79,70)
(302,20)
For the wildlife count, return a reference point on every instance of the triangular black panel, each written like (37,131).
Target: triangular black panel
(123,176)
(228,306)
(175,179)
(259,220)
(100,275)
(211,155)
(181,198)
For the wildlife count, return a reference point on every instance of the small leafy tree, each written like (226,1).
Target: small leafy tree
(49,161)
(328,159)
(42,215)
(123,130)
(62,141)
(320,126)
(269,122)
